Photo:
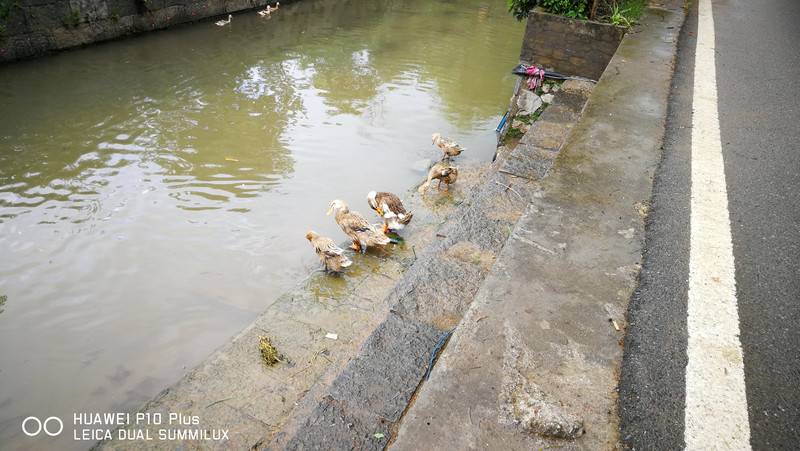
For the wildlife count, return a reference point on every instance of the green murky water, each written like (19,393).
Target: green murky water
(154,192)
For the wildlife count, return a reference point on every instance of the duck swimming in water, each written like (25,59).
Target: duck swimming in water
(331,255)
(222,23)
(390,208)
(354,225)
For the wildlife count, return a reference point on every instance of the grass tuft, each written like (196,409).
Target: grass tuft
(269,353)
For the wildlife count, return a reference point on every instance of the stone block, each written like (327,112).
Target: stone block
(573,47)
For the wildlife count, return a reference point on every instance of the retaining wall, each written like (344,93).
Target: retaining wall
(569,46)
(30,28)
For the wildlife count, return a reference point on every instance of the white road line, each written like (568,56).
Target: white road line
(716,404)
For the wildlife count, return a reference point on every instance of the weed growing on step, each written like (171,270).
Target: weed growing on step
(269,354)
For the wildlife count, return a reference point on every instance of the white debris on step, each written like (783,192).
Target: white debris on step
(332,336)
(548,98)
(528,102)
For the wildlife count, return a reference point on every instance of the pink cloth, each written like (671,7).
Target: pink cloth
(535,77)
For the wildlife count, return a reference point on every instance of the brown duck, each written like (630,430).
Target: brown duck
(390,208)
(448,146)
(356,227)
(442,171)
(331,255)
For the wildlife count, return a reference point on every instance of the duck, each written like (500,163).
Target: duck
(448,146)
(356,227)
(222,23)
(277,5)
(390,208)
(331,255)
(265,12)
(444,172)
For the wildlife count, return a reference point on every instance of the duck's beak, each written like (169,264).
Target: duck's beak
(330,210)
(380,211)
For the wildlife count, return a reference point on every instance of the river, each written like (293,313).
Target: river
(155,191)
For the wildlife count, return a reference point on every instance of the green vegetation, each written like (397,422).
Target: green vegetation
(6,6)
(618,12)
(624,12)
(72,19)
(115,17)
(520,8)
(529,118)
(269,354)
(574,9)
(513,133)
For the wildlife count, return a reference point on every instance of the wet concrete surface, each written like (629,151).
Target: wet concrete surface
(544,333)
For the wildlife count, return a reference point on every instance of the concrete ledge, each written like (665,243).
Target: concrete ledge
(536,360)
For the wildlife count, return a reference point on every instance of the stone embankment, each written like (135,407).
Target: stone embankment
(30,28)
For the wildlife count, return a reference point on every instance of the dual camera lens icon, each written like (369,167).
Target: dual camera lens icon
(33,426)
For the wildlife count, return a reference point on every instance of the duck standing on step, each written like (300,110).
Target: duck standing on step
(390,208)
(222,23)
(444,172)
(331,255)
(354,225)
(447,145)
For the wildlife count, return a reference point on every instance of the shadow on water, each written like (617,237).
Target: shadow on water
(154,191)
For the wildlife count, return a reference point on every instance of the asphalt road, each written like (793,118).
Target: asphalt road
(757,62)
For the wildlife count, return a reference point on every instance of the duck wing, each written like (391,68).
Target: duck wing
(390,203)
(355,222)
(326,246)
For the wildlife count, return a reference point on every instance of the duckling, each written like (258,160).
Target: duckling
(265,12)
(448,146)
(390,208)
(331,255)
(444,172)
(277,5)
(356,227)
(222,23)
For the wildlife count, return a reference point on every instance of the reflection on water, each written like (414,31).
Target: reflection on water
(154,192)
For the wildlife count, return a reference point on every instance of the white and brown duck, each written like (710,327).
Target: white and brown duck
(390,208)
(355,226)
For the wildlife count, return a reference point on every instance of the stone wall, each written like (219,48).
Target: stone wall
(31,28)
(569,46)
